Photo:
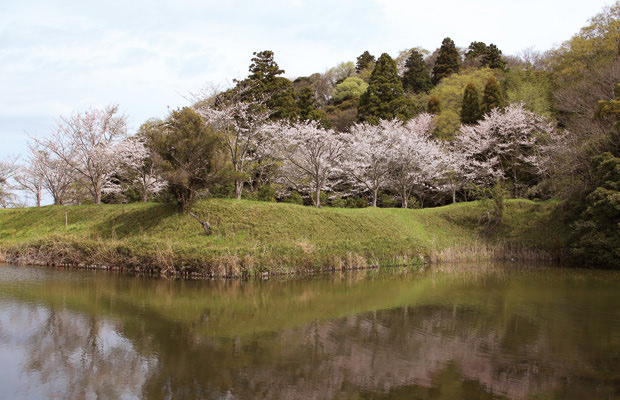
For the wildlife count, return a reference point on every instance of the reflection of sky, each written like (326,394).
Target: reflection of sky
(62,56)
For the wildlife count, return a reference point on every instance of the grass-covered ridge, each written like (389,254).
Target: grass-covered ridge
(255,237)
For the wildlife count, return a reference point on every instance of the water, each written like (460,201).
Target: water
(483,332)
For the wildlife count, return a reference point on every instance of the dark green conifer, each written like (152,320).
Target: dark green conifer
(384,98)
(265,84)
(470,109)
(492,97)
(416,79)
(492,58)
(264,67)
(476,50)
(364,61)
(434,105)
(306,104)
(448,61)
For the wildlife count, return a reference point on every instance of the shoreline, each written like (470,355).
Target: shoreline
(255,239)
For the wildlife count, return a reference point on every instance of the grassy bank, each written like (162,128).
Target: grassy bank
(255,237)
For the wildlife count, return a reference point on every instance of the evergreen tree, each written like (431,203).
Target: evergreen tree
(189,154)
(265,84)
(492,58)
(306,104)
(264,67)
(492,97)
(364,61)
(385,98)
(416,79)
(475,50)
(448,61)
(485,56)
(434,105)
(470,110)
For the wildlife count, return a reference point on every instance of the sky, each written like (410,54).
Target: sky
(58,57)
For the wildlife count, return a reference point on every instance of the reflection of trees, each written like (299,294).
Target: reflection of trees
(76,357)
(480,338)
(431,351)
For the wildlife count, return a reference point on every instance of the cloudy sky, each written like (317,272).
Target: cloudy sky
(61,56)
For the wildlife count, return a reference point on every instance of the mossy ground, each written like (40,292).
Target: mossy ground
(258,237)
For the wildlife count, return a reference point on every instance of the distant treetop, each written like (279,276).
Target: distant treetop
(365,60)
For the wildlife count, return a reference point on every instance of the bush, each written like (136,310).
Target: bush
(265,193)
(493,201)
(356,202)
(384,200)
(293,198)
(338,201)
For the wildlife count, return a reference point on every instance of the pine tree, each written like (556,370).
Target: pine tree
(492,97)
(434,105)
(470,110)
(448,61)
(364,61)
(385,98)
(492,58)
(264,67)
(306,104)
(265,84)
(475,50)
(416,79)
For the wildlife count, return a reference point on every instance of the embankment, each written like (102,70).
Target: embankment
(252,238)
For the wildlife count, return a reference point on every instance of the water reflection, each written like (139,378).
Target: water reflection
(63,354)
(481,334)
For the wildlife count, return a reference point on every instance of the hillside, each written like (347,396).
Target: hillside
(251,238)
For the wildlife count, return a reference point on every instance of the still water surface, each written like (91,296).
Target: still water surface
(484,332)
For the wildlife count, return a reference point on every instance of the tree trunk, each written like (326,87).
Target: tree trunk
(374,197)
(205,224)
(238,189)
(514,182)
(453,195)
(96,192)
(318,196)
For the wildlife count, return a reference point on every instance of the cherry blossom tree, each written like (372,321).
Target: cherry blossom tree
(311,156)
(136,166)
(501,145)
(7,171)
(55,175)
(242,128)
(452,171)
(414,159)
(29,180)
(85,142)
(368,153)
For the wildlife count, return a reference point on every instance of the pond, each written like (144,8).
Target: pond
(455,332)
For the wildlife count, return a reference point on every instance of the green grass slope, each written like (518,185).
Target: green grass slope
(256,237)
